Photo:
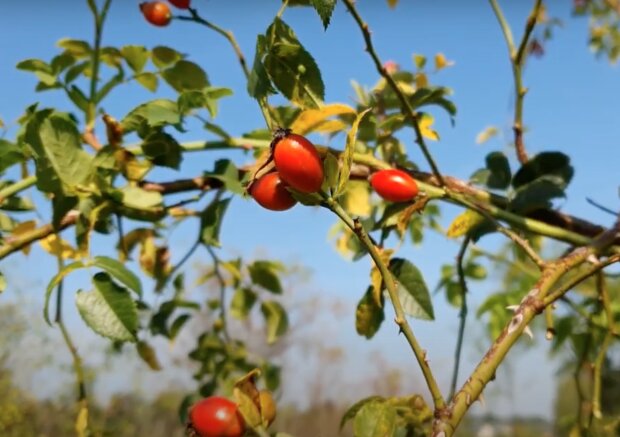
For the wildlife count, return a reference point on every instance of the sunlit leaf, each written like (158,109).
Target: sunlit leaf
(347,156)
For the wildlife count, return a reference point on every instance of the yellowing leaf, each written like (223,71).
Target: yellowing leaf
(488,133)
(405,87)
(59,247)
(426,121)
(23,228)
(347,156)
(421,80)
(357,199)
(442,62)
(330,126)
(312,120)
(463,223)
(81,422)
(375,275)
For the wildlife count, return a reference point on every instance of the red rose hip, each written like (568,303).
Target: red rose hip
(156,13)
(394,185)
(270,192)
(216,417)
(298,162)
(181,4)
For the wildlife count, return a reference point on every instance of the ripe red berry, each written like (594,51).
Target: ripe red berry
(394,185)
(181,4)
(156,13)
(298,162)
(270,192)
(216,417)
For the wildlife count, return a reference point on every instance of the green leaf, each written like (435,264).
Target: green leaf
(375,419)
(499,167)
(153,114)
(163,150)
(136,197)
(17,204)
(76,47)
(225,171)
(108,309)
(212,96)
(537,194)
(10,154)
(353,409)
(178,323)
(412,289)
(276,320)
(185,75)
(369,315)
(259,84)
(325,8)
(41,69)
(291,68)
(263,273)
(330,169)
(54,282)
(433,96)
(118,270)
(2,282)
(136,57)
(61,164)
(148,81)
(211,221)
(78,97)
(109,86)
(148,355)
(163,56)
(347,160)
(242,302)
(545,164)
(75,71)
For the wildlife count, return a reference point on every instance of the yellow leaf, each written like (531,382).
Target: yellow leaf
(357,199)
(59,247)
(23,228)
(330,126)
(313,119)
(442,62)
(426,121)
(81,422)
(375,275)
(405,87)
(421,80)
(486,134)
(463,223)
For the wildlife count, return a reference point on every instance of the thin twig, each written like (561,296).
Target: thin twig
(601,207)
(95,60)
(524,245)
(390,285)
(408,110)
(222,285)
(517,60)
(195,17)
(605,303)
(462,314)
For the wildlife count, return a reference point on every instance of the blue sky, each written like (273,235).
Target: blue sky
(571,107)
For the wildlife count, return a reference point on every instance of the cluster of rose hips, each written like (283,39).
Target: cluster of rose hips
(158,13)
(217,416)
(298,166)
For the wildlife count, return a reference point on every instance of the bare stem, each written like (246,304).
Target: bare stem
(407,109)
(517,61)
(601,285)
(195,17)
(222,285)
(92,101)
(462,314)
(390,285)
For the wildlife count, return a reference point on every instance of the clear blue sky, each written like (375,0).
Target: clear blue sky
(572,106)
